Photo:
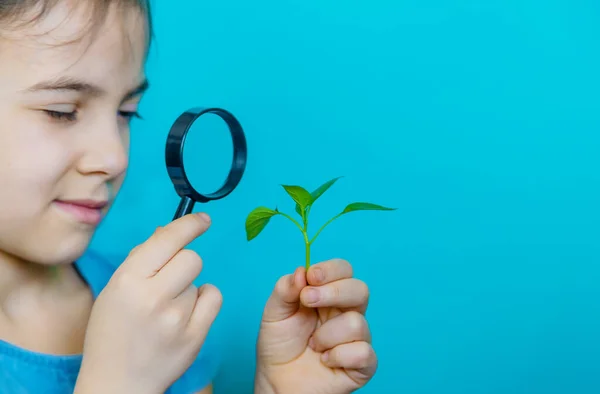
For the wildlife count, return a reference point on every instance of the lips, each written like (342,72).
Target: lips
(90,204)
(84,211)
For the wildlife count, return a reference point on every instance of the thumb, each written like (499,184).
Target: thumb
(285,299)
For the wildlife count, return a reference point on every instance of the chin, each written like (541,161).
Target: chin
(65,250)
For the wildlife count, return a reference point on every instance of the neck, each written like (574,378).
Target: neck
(21,279)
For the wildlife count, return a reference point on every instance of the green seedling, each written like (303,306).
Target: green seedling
(258,219)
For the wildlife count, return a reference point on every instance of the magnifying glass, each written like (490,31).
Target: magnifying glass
(174,158)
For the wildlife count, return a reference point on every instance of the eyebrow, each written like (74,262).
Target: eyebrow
(81,86)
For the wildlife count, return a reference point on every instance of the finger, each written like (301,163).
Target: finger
(187,300)
(157,251)
(179,274)
(358,358)
(345,328)
(284,300)
(329,271)
(181,308)
(136,249)
(346,293)
(208,305)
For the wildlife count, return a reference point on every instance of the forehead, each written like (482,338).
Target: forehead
(69,40)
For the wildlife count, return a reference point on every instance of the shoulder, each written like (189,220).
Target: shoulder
(97,268)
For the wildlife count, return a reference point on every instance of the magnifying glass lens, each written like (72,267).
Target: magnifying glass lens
(208,153)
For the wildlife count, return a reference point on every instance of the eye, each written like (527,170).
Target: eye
(130,114)
(58,115)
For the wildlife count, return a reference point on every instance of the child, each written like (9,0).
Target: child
(71,78)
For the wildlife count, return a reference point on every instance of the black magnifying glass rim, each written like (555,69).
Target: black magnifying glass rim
(174,157)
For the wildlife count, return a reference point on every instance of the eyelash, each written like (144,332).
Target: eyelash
(72,116)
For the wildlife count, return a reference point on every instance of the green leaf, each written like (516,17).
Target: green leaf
(299,211)
(318,192)
(257,220)
(365,206)
(299,194)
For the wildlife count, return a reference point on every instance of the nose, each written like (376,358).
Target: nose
(105,150)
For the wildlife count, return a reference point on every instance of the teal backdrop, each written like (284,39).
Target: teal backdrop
(477,119)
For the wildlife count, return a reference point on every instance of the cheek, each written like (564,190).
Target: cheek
(32,162)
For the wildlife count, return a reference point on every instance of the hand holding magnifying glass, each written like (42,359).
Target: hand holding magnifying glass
(174,158)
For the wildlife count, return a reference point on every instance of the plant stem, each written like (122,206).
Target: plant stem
(306,241)
(293,221)
(307,254)
(304,234)
(325,225)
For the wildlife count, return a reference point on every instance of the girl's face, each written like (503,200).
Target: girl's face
(65,105)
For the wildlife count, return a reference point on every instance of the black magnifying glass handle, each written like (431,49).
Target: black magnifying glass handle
(174,158)
(186,205)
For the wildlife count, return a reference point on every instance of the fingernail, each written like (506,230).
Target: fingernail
(325,357)
(312,296)
(204,217)
(318,274)
(311,343)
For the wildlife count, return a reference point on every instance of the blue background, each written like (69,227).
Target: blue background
(477,119)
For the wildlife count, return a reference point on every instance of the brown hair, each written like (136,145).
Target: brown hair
(19,13)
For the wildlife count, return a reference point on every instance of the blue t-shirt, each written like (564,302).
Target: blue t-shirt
(26,372)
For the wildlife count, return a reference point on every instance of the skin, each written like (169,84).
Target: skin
(48,158)
(314,326)
(45,157)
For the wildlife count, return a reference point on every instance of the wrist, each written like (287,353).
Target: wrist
(89,382)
